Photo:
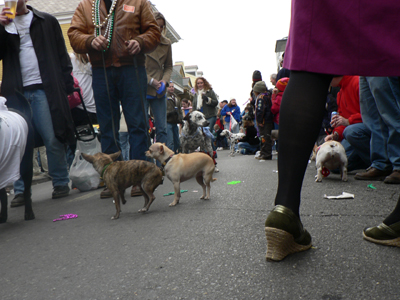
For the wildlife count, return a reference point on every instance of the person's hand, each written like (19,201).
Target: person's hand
(99,43)
(275,91)
(229,113)
(261,125)
(133,47)
(156,84)
(4,19)
(328,138)
(340,121)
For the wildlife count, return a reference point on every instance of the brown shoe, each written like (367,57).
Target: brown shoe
(372,174)
(393,178)
(136,191)
(106,193)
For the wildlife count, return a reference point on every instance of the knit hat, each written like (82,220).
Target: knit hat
(260,87)
(257,76)
(282,83)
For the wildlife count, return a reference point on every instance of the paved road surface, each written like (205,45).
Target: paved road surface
(200,249)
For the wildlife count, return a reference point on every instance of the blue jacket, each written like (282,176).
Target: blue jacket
(235,110)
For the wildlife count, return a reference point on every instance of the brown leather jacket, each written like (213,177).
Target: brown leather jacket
(133,20)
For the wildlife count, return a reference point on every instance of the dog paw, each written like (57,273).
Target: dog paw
(114,217)
(172,204)
(203,197)
(318,180)
(142,210)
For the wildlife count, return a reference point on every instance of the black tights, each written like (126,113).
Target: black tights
(301,114)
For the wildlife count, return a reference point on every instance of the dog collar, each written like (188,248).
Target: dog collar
(104,169)
(165,162)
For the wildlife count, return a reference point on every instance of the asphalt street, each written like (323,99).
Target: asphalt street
(200,249)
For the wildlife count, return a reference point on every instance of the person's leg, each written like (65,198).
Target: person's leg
(175,132)
(124,140)
(159,108)
(107,108)
(43,159)
(212,121)
(354,161)
(55,150)
(301,111)
(390,112)
(170,136)
(266,146)
(371,92)
(359,136)
(128,88)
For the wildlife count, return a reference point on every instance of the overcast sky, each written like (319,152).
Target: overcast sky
(228,40)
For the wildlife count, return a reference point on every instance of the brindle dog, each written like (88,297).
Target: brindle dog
(119,175)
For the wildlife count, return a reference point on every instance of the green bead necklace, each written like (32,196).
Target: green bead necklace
(109,20)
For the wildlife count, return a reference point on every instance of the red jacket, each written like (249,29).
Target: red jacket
(348,101)
(276,106)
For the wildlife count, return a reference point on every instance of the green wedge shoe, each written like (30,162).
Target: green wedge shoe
(285,234)
(383,234)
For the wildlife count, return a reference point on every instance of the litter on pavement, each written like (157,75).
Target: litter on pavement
(65,217)
(234,182)
(172,193)
(344,195)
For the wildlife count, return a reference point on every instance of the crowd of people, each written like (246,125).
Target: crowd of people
(129,75)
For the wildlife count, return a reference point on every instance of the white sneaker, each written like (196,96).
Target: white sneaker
(220,148)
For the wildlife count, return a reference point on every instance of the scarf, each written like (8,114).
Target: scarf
(199,99)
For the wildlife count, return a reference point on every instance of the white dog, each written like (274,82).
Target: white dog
(233,138)
(331,155)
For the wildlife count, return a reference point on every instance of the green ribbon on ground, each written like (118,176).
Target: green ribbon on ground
(234,182)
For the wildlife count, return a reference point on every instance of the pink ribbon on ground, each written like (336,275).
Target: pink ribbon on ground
(66,217)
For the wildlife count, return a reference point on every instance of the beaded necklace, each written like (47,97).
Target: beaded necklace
(109,20)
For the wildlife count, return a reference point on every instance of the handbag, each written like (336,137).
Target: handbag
(233,124)
(74,99)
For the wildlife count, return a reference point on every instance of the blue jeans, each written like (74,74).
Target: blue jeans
(212,121)
(124,87)
(54,148)
(124,140)
(173,137)
(159,108)
(379,104)
(357,146)
(249,148)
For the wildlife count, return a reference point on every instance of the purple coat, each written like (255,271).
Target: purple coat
(344,37)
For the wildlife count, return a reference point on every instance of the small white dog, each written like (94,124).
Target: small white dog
(233,138)
(331,155)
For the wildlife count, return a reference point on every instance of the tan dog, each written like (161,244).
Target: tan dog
(120,175)
(331,155)
(181,167)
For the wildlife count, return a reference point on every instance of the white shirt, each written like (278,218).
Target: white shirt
(27,55)
(83,72)
(13,135)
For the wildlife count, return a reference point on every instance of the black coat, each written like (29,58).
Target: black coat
(55,70)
